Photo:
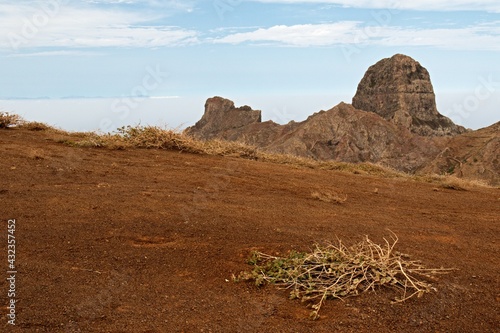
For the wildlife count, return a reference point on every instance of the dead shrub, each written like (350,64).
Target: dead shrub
(340,271)
(36,126)
(152,137)
(8,120)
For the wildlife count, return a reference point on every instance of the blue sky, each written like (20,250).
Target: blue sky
(288,58)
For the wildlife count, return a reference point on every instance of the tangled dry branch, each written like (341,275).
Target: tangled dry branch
(339,271)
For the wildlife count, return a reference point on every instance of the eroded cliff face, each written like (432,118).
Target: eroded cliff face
(400,90)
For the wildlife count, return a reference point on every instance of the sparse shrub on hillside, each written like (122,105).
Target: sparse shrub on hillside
(451,182)
(13,120)
(7,120)
(355,168)
(93,140)
(156,137)
(459,184)
(340,271)
(153,137)
(36,126)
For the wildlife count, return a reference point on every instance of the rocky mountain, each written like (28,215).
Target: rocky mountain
(393,121)
(400,90)
(347,134)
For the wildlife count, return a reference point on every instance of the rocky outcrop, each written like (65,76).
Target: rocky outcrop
(400,90)
(221,116)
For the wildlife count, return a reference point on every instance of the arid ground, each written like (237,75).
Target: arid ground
(143,241)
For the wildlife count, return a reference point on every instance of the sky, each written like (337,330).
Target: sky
(101,64)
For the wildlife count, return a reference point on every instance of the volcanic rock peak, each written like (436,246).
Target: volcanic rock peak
(400,90)
(221,115)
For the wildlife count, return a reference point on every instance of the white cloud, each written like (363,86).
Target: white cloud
(297,35)
(479,37)
(65,24)
(423,5)
(57,24)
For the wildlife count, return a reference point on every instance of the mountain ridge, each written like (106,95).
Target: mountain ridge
(402,128)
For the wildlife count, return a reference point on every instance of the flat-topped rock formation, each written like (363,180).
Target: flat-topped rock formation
(220,116)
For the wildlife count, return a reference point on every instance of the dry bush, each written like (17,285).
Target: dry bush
(451,182)
(8,120)
(365,168)
(460,184)
(329,196)
(156,137)
(153,137)
(340,271)
(92,140)
(36,126)
(14,120)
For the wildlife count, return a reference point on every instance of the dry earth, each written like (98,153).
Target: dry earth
(147,240)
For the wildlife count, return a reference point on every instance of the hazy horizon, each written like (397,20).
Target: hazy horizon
(107,114)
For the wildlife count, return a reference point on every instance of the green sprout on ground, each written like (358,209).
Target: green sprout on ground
(340,271)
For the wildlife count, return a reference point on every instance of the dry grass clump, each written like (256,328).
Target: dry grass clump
(13,120)
(153,137)
(36,126)
(451,182)
(229,148)
(329,196)
(356,168)
(362,168)
(460,184)
(340,271)
(8,120)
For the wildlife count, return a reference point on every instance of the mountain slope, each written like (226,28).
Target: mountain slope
(474,155)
